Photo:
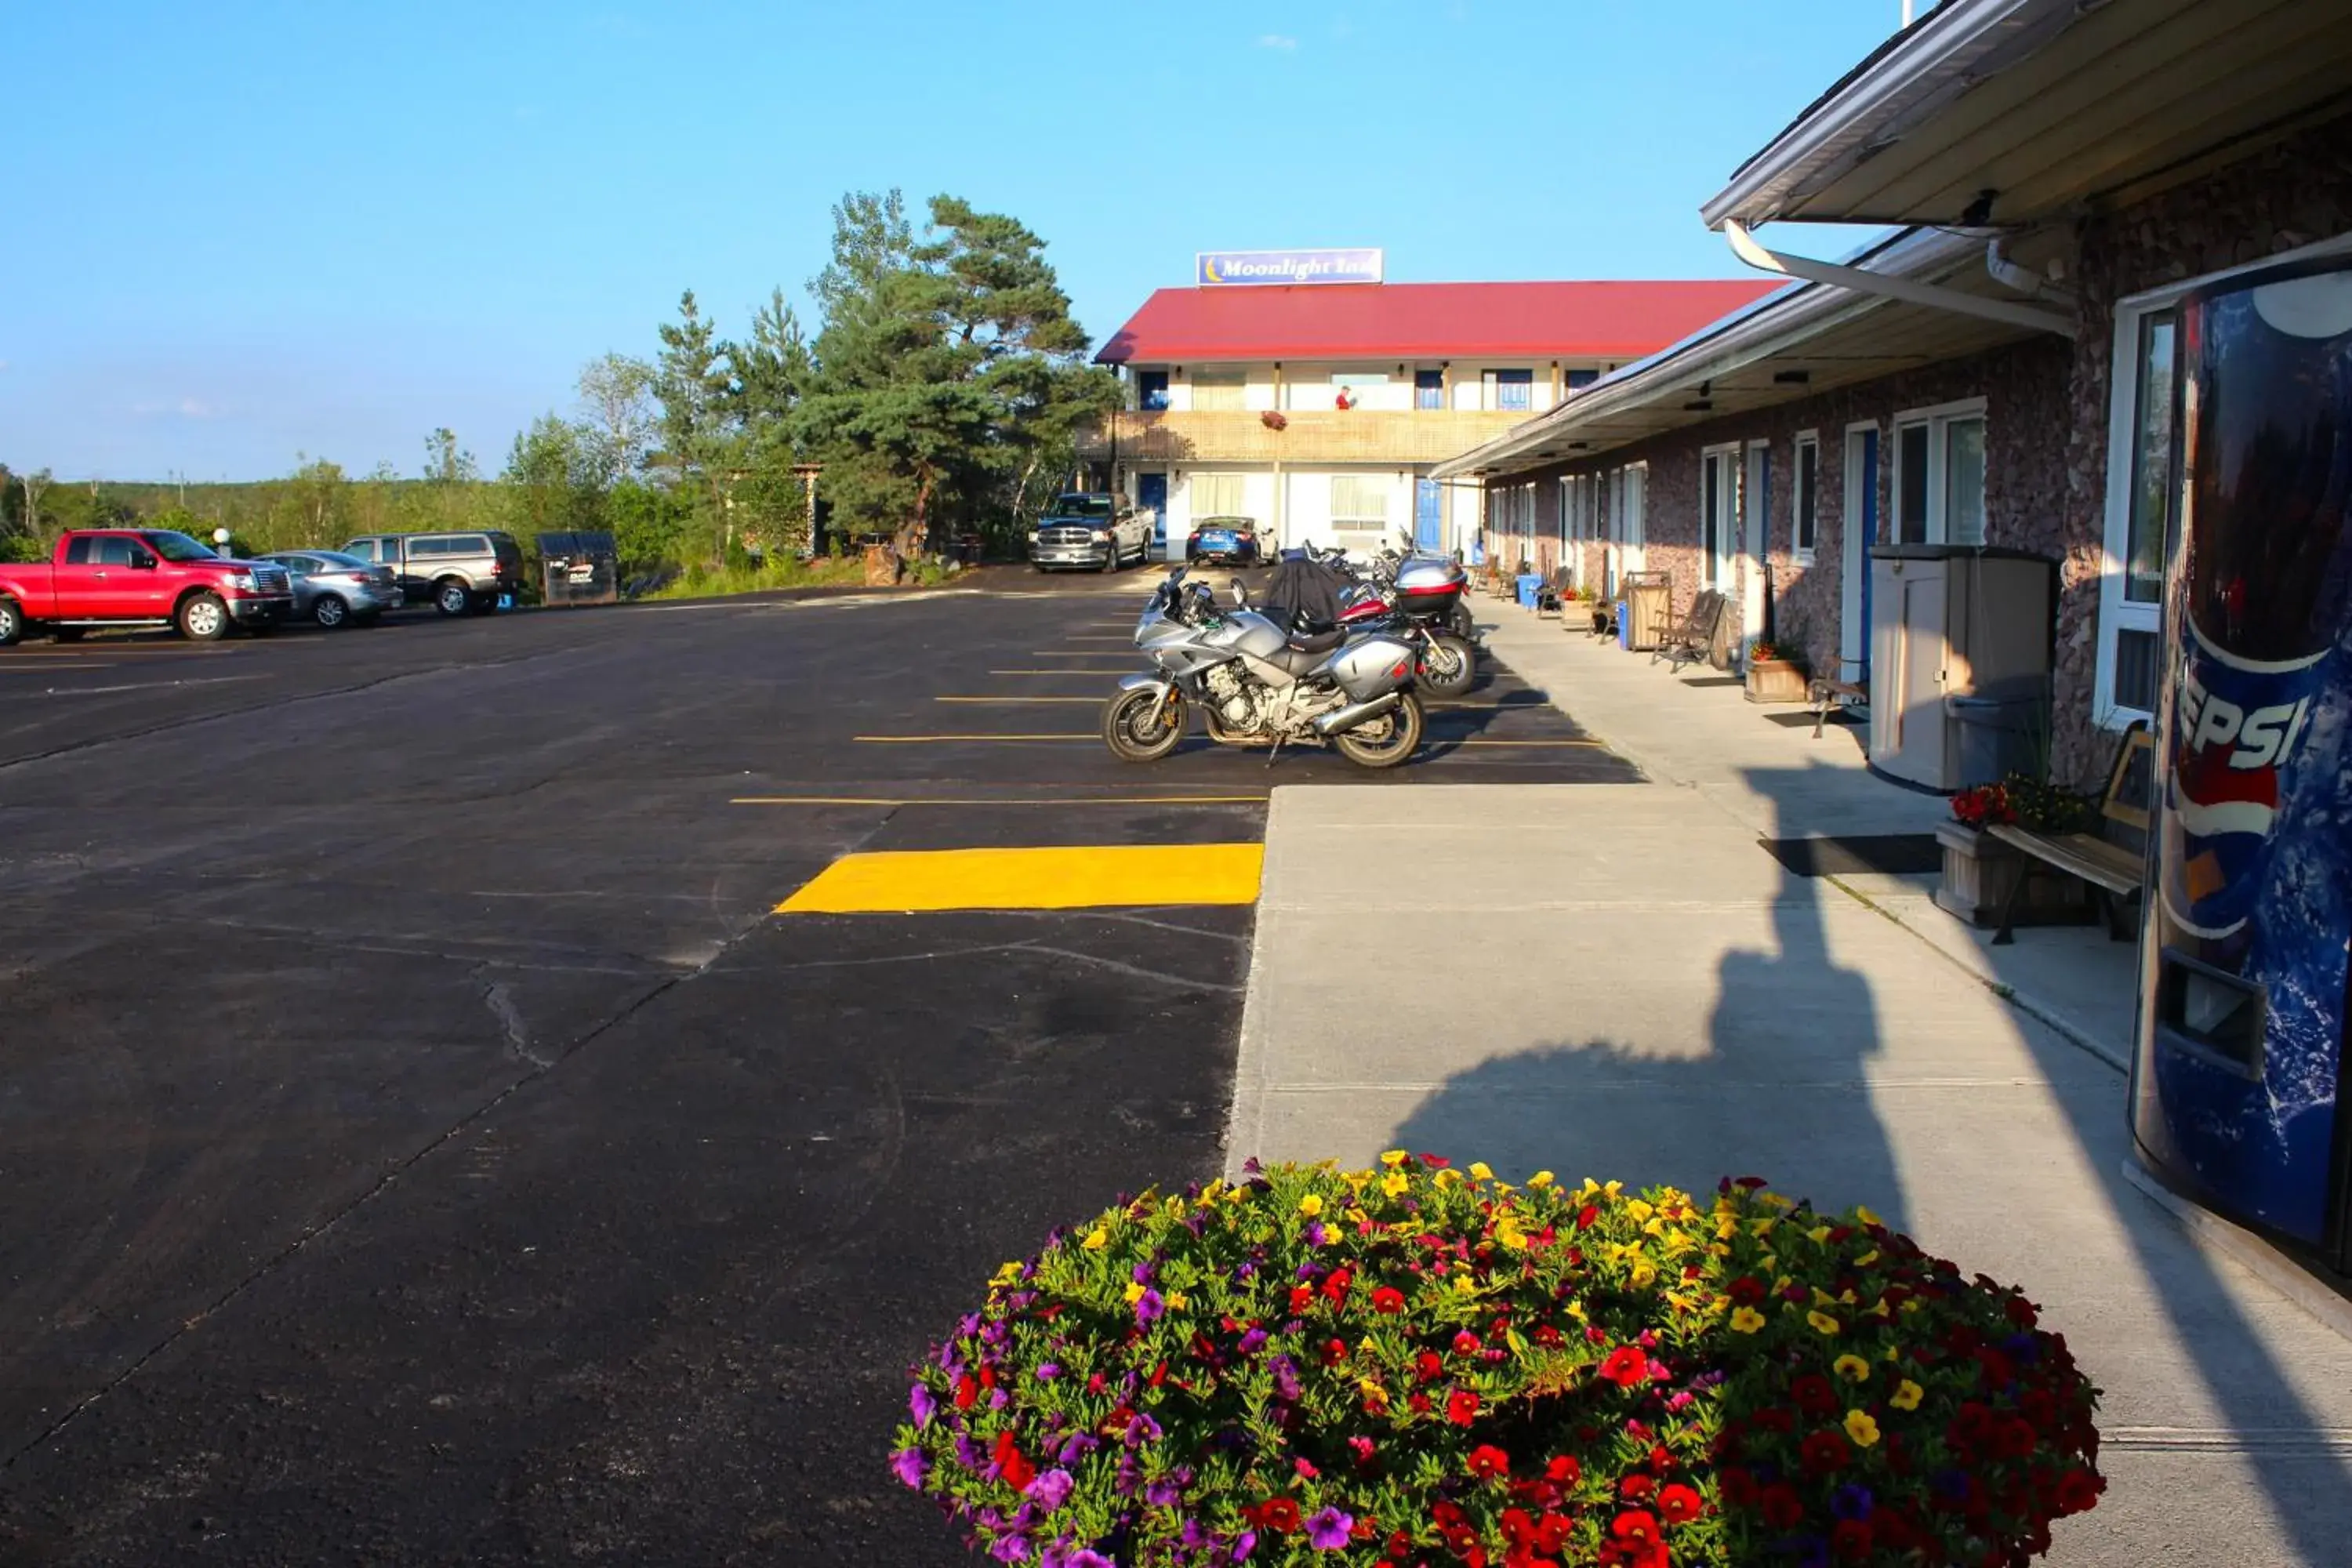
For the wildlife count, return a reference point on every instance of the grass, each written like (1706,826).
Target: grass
(702,582)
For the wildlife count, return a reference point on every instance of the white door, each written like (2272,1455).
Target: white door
(1719,494)
(1630,529)
(1755,546)
(1857,531)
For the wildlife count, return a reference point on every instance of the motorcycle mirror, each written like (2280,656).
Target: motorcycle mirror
(1241,594)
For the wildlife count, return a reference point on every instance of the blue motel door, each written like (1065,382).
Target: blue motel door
(1428,516)
(1151,494)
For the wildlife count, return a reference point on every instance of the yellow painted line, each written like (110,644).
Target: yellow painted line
(925,740)
(1076,877)
(1016,700)
(1049,800)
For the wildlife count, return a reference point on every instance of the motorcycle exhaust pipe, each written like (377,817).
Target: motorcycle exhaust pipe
(1348,718)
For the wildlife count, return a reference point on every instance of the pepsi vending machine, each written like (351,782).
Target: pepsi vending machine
(2241,1048)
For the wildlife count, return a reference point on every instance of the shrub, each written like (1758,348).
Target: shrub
(1411,1364)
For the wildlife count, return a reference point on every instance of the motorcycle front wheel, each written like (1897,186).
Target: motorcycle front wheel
(1384,741)
(1137,731)
(1448,666)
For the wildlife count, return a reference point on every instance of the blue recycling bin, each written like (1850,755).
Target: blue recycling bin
(1529,586)
(1624,627)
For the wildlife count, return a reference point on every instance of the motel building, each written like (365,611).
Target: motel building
(1299,390)
(2000,371)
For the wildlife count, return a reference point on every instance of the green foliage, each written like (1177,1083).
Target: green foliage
(741,577)
(1408,1363)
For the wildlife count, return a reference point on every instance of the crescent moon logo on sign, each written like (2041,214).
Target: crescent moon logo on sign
(1210,267)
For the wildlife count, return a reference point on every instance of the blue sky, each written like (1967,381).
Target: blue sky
(326,228)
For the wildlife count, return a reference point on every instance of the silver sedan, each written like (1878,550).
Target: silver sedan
(336,590)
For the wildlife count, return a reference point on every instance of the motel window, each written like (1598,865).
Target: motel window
(1581,378)
(1429,389)
(1216,495)
(1218,389)
(1359,506)
(1510,389)
(1718,487)
(1939,475)
(1151,390)
(1805,499)
(1362,389)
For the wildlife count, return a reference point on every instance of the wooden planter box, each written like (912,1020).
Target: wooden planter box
(1980,870)
(1775,680)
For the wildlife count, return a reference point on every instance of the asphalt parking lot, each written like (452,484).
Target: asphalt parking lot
(421,1137)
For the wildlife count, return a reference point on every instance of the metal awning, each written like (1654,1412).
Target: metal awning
(2050,105)
(1802,341)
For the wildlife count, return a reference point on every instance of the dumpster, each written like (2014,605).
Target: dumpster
(579,569)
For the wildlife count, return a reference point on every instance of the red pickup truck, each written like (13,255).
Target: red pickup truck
(141,577)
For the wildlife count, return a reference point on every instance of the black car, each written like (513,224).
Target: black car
(1231,541)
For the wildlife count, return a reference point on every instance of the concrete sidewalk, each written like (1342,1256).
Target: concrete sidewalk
(1617,979)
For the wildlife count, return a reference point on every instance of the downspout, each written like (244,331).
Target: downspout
(1857,280)
(2024,280)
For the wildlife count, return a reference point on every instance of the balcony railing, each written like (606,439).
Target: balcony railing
(1306,435)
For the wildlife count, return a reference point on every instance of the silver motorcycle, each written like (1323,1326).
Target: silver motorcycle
(1256,685)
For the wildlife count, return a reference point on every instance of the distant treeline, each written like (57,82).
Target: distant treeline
(942,393)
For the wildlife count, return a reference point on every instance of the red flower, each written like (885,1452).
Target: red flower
(1774,1419)
(1635,1487)
(1564,1470)
(1551,1536)
(966,1393)
(1447,1513)
(1825,1451)
(1586,1215)
(1626,1366)
(1739,1488)
(1748,1290)
(1636,1528)
(1850,1538)
(1680,1504)
(1782,1509)
(1334,1352)
(1301,1298)
(1487,1462)
(1336,1287)
(1433,1162)
(1278,1514)
(1546,1335)
(1815,1394)
(2015,1439)
(2078,1491)
(1462,1407)
(1388,1301)
(1465,1343)
(1661,1460)
(1429,1366)
(1017,1470)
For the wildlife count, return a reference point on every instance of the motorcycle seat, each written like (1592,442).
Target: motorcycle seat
(1317,642)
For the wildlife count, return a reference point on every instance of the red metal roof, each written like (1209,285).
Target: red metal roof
(1424,321)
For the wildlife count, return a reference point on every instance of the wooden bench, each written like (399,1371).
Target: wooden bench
(2116,873)
(1696,639)
(1825,694)
(1553,594)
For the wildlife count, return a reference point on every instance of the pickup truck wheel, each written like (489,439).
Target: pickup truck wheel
(330,611)
(204,618)
(452,597)
(11,622)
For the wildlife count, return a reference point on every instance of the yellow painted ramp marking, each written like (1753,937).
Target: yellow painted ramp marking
(906,881)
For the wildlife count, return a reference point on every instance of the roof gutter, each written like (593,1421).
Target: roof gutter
(1955,46)
(1856,279)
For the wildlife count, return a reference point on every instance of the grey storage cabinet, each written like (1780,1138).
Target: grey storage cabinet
(1959,662)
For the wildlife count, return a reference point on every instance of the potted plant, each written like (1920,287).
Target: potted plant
(1775,673)
(1981,872)
(1416,1365)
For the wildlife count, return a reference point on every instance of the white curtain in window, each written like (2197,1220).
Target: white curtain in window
(1216,495)
(1963,477)
(1217,389)
(1359,504)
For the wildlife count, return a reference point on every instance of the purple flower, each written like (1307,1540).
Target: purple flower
(1250,1166)
(968,1326)
(1011,1548)
(1327,1531)
(1052,1489)
(1285,1378)
(1163,1493)
(1088,1557)
(1244,1544)
(1253,1342)
(969,1454)
(998,1399)
(1048,1372)
(919,1400)
(1851,1502)
(910,1466)
(1149,1307)
(1141,1273)
(1078,1448)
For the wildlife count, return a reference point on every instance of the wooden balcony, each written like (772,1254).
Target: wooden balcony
(1307,436)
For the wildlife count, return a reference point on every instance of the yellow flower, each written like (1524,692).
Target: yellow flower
(1818,1234)
(1861,1428)
(1823,1323)
(1449,1178)
(1463,1285)
(1541,1179)
(1907,1395)
(1310,1205)
(1639,1210)
(1644,1274)
(1134,1292)
(1614,1189)
(1394,1157)
(1867,1258)
(1762,1226)
(1481,1172)
(1357,1216)
(1238,1195)
(1851,1367)
(1007,1275)
(1746,1319)
(1726,1228)
(1864,1216)
(1099,1240)
(1177,1300)
(1910,1305)
(1396,1184)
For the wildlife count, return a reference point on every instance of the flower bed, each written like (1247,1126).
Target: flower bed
(1414,1365)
